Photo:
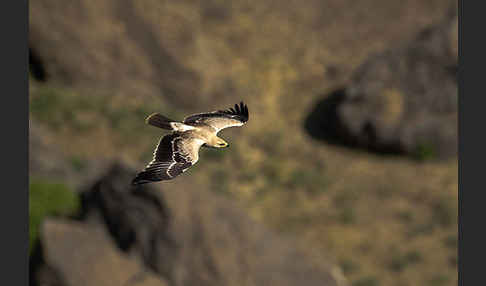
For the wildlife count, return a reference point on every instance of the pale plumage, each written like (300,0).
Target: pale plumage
(178,151)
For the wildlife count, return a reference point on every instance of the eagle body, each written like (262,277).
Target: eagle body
(178,151)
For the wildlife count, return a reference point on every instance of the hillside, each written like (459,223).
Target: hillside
(102,66)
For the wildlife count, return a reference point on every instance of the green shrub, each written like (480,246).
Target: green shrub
(425,151)
(400,261)
(78,163)
(349,266)
(59,107)
(46,199)
(445,212)
(347,215)
(439,280)
(312,181)
(366,281)
(45,107)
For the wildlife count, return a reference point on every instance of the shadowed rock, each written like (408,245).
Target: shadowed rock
(36,66)
(399,101)
(325,123)
(185,237)
(136,217)
(193,237)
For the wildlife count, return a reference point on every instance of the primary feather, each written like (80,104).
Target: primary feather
(221,119)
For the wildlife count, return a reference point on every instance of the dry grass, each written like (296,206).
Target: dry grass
(383,220)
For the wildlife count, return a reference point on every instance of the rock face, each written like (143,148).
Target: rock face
(199,52)
(65,47)
(401,101)
(186,237)
(78,254)
(137,218)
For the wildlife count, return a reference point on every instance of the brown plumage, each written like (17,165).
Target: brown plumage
(178,151)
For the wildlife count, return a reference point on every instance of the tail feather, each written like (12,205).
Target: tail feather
(158,120)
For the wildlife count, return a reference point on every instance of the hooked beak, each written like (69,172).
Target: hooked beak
(225,145)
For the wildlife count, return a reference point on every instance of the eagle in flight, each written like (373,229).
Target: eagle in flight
(178,151)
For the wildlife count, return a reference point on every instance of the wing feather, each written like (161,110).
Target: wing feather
(221,119)
(173,155)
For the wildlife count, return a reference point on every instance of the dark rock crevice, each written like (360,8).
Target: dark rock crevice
(137,219)
(324,123)
(36,66)
(40,273)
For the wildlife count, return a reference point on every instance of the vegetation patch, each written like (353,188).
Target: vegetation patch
(445,212)
(401,261)
(48,198)
(349,266)
(367,281)
(78,163)
(311,180)
(439,280)
(62,108)
(347,216)
(425,151)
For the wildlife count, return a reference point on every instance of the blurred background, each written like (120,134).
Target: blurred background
(345,174)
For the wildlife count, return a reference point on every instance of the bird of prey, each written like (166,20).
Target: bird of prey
(178,151)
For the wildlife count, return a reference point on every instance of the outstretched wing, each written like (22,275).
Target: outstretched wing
(172,156)
(221,119)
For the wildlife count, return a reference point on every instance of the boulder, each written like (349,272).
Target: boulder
(403,100)
(194,237)
(78,254)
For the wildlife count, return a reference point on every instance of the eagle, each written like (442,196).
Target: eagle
(179,150)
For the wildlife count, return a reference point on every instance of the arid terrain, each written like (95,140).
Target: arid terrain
(348,157)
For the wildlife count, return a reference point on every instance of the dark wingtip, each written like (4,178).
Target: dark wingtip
(136,181)
(240,110)
(140,179)
(244,110)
